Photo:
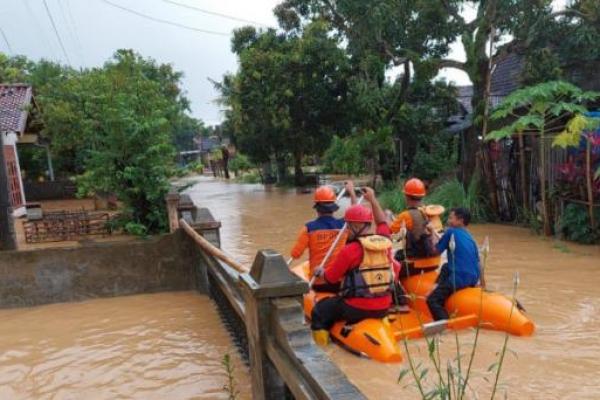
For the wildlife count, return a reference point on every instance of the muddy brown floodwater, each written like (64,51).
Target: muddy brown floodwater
(156,346)
(560,288)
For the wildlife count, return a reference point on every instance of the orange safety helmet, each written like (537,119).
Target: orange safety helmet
(324,194)
(358,213)
(415,188)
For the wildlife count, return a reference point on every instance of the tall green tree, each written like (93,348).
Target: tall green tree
(288,97)
(119,122)
(186,132)
(114,127)
(384,39)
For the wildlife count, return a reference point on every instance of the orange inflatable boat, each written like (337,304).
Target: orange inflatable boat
(496,311)
(372,338)
(378,338)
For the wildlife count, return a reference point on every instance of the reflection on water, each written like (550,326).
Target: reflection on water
(158,346)
(560,287)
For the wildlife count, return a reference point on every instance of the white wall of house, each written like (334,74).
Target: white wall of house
(10,139)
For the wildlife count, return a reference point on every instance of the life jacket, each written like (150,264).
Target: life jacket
(418,240)
(374,277)
(420,250)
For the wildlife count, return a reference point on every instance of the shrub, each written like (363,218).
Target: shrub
(239,163)
(452,194)
(343,156)
(393,199)
(250,178)
(575,225)
(196,167)
(429,163)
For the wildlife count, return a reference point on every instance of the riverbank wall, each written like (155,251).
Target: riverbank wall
(36,277)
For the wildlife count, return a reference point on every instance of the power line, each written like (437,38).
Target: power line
(38,27)
(164,21)
(74,24)
(71,31)
(62,46)
(217,14)
(10,50)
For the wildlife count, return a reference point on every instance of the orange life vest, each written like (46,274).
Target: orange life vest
(374,277)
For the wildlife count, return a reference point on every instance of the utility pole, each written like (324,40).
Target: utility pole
(7,232)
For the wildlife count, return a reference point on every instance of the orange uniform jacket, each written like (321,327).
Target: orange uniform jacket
(318,236)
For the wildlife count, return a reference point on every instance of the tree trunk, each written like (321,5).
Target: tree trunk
(7,232)
(522,173)
(542,174)
(267,173)
(486,149)
(588,175)
(298,173)
(281,169)
(471,136)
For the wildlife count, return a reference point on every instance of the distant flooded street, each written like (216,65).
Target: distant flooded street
(559,288)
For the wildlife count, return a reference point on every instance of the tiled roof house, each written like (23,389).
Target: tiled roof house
(15,102)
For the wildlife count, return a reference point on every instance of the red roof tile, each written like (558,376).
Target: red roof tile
(14,102)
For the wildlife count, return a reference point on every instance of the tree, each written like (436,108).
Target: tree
(114,127)
(288,96)
(549,109)
(186,131)
(383,38)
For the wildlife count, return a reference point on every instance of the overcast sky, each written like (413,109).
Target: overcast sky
(91,30)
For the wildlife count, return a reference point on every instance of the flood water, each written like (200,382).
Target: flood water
(560,288)
(155,346)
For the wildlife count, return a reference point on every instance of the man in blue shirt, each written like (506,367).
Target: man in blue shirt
(463,267)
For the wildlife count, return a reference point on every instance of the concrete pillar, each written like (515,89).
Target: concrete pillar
(203,222)
(269,278)
(172,199)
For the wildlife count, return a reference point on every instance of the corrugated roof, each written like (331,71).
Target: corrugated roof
(209,143)
(506,75)
(464,95)
(14,102)
(505,80)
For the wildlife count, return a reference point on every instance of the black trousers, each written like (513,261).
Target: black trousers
(327,287)
(437,299)
(332,309)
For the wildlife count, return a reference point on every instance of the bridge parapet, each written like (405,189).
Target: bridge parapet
(262,307)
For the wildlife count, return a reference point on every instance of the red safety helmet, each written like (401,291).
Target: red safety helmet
(324,194)
(415,187)
(358,213)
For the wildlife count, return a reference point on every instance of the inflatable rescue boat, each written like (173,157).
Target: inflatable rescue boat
(496,311)
(378,338)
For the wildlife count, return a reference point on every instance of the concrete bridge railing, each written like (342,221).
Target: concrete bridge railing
(263,308)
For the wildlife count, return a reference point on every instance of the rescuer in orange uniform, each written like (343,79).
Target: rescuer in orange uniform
(421,255)
(365,268)
(319,234)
